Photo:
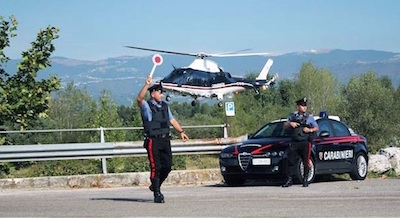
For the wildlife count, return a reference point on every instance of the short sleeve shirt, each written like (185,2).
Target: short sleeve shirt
(310,120)
(146,111)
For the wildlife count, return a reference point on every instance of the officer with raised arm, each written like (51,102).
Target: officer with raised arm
(157,119)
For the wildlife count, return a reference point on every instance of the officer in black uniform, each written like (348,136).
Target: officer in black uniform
(157,119)
(303,127)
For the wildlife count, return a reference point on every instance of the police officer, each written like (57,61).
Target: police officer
(157,118)
(303,127)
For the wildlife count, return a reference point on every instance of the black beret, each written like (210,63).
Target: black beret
(302,101)
(155,87)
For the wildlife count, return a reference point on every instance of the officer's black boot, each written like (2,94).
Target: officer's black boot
(158,196)
(288,182)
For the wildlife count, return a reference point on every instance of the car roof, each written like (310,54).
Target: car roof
(333,117)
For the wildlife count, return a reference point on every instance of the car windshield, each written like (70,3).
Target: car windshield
(274,129)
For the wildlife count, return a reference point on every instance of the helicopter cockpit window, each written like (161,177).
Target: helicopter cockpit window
(170,78)
(220,78)
(200,78)
(178,76)
(189,79)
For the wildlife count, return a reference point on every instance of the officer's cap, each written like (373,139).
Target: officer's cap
(302,102)
(155,87)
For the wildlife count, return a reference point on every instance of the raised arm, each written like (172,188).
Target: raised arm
(143,91)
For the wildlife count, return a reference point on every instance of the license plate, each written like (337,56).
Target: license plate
(262,161)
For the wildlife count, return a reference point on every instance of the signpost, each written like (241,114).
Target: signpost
(229,112)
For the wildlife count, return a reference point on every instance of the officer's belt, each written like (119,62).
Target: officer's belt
(160,136)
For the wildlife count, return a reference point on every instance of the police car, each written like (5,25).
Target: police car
(336,148)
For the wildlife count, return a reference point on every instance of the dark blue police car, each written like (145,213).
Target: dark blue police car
(335,149)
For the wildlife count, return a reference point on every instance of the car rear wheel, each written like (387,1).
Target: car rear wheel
(300,171)
(359,168)
(234,180)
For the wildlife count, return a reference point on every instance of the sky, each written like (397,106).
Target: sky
(99,29)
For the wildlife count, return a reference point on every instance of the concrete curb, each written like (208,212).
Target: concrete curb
(178,177)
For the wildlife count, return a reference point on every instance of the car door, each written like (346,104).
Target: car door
(334,152)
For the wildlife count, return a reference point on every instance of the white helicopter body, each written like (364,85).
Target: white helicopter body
(204,78)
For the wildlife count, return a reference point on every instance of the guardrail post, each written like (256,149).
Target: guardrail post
(225,131)
(103,160)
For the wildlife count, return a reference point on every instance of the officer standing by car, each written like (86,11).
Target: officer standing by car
(157,119)
(303,126)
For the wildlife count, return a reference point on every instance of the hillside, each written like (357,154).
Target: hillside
(124,76)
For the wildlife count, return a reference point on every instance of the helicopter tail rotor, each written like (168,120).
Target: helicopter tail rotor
(271,81)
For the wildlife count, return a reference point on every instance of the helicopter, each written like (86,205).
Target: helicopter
(204,78)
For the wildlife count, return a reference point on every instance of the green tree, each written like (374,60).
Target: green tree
(369,107)
(23,99)
(107,116)
(72,108)
(287,92)
(131,117)
(320,86)
(253,110)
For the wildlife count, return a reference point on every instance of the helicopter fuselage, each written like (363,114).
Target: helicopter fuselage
(197,83)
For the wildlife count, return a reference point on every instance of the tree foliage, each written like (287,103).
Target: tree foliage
(107,116)
(23,99)
(369,106)
(319,86)
(72,108)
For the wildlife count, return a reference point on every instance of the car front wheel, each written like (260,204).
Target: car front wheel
(359,167)
(300,171)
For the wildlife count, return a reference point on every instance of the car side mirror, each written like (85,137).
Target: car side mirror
(324,134)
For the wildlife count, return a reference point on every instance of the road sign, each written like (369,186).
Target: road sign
(230,109)
(157,60)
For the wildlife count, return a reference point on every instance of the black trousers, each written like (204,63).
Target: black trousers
(300,149)
(160,159)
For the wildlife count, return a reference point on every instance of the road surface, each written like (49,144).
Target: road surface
(369,198)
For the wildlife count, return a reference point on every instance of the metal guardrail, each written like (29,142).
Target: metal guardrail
(104,150)
(102,129)
(13,153)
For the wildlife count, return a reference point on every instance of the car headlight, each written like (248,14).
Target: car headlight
(226,155)
(281,153)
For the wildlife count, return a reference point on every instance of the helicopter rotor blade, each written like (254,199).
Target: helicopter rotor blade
(241,55)
(163,51)
(233,52)
(203,55)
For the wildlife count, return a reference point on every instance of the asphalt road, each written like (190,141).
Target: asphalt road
(369,198)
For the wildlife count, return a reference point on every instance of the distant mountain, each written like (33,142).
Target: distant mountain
(125,75)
